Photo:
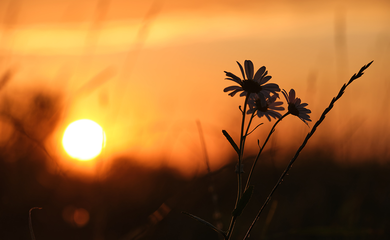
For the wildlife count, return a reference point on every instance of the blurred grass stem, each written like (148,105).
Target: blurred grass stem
(30,222)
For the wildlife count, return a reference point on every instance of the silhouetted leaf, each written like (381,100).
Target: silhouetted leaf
(243,201)
(230,139)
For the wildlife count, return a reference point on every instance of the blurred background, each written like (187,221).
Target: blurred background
(151,73)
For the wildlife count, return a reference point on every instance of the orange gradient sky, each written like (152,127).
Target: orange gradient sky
(146,71)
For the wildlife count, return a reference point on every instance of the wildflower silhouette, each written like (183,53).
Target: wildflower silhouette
(308,136)
(260,102)
(268,109)
(251,85)
(295,107)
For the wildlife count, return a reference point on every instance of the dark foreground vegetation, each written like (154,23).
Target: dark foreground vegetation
(320,199)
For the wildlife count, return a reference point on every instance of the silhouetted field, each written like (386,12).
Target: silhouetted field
(135,56)
(320,199)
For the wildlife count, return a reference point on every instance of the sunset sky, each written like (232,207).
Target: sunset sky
(147,71)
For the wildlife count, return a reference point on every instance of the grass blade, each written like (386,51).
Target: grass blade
(206,223)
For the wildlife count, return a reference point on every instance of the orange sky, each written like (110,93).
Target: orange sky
(148,71)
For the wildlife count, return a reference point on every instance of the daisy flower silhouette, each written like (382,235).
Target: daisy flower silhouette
(268,109)
(252,85)
(295,107)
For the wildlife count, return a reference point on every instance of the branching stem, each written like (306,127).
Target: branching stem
(261,150)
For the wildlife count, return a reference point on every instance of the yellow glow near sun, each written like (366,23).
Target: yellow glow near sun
(84,139)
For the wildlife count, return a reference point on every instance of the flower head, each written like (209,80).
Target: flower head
(252,85)
(295,107)
(266,108)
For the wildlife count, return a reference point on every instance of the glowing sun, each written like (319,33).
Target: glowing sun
(84,139)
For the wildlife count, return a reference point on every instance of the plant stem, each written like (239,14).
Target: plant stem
(239,175)
(261,150)
(247,130)
(242,141)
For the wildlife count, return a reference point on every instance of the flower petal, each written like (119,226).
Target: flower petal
(249,69)
(265,79)
(278,115)
(242,70)
(274,114)
(234,92)
(303,105)
(273,98)
(276,103)
(259,74)
(272,87)
(250,111)
(233,77)
(291,96)
(252,103)
(277,108)
(231,88)
(304,116)
(305,119)
(243,94)
(259,114)
(304,110)
(285,95)
(262,98)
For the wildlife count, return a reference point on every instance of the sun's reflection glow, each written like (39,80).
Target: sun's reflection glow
(78,217)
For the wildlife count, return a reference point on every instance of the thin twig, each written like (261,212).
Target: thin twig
(253,129)
(247,129)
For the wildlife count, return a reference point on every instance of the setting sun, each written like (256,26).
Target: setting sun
(84,139)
